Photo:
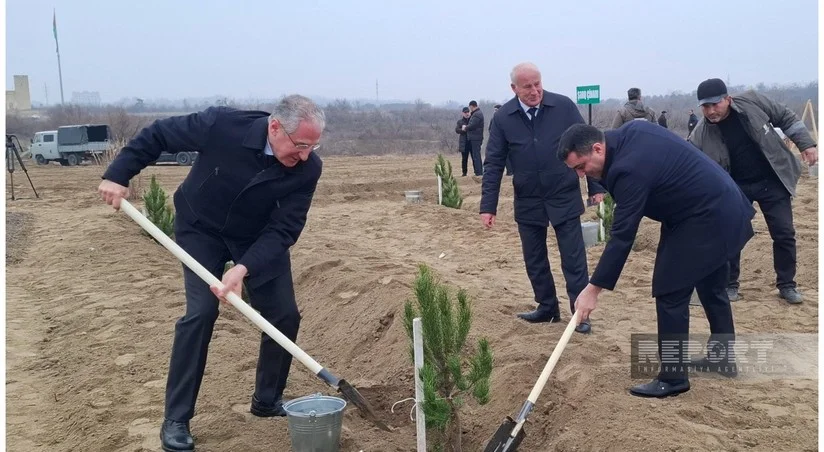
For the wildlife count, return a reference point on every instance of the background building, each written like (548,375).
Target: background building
(19,98)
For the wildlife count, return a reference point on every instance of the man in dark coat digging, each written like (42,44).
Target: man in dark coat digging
(245,199)
(705,220)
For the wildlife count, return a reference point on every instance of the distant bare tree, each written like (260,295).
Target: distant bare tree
(68,114)
(123,125)
(356,128)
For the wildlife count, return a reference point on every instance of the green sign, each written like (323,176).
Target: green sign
(589,94)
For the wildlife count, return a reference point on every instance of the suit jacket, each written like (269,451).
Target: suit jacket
(705,218)
(259,212)
(546,190)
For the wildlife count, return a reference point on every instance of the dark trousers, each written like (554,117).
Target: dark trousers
(776,205)
(674,322)
(465,152)
(475,150)
(508,167)
(275,300)
(573,262)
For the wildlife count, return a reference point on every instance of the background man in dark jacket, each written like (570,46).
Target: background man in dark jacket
(245,199)
(738,133)
(463,144)
(692,122)
(526,131)
(705,220)
(662,120)
(475,136)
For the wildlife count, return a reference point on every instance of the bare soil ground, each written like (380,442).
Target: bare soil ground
(91,305)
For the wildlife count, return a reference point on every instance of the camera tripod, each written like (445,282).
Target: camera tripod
(12,151)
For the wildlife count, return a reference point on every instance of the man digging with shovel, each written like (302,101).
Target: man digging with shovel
(245,199)
(705,220)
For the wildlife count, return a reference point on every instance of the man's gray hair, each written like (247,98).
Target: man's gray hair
(291,110)
(520,68)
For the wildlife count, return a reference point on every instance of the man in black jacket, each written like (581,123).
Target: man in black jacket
(463,144)
(475,136)
(662,119)
(245,199)
(705,220)
(691,122)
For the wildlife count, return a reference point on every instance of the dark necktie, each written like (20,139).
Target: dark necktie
(268,160)
(532,111)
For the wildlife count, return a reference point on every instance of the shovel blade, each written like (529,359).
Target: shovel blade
(352,395)
(502,440)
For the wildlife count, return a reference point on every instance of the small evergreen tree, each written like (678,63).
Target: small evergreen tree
(607,216)
(445,329)
(157,211)
(451,193)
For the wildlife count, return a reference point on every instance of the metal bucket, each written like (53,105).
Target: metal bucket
(413,196)
(590,232)
(315,422)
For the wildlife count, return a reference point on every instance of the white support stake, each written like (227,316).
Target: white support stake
(420,421)
(601,233)
(440,191)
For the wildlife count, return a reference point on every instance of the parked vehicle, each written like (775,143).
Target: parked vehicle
(70,145)
(182,158)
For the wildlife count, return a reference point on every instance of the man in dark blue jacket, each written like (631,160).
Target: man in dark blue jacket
(463,143)
(245,199)
(475,136)
(526,131)
(705,219)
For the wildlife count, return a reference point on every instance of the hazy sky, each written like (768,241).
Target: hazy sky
(433,50)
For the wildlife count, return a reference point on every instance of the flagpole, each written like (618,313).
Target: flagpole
(59,68)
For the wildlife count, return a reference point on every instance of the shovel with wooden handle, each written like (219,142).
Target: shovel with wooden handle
(347,390)
(511,432)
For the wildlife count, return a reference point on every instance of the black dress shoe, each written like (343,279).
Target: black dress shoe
(660,389)
(175,436)
(791,295)
(703,364)
(540,316)
(584,327)
(261,410)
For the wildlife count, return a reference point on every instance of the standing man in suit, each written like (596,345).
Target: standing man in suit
(463,143)
(526,131)
(738,133)
(705,220)
(475,136)
(245,199)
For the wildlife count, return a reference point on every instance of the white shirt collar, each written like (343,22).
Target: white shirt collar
(525,107)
